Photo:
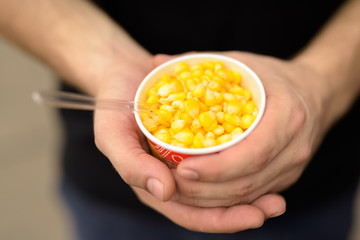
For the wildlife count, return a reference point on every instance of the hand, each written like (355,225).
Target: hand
(220,219)
(271,158)
(118,137)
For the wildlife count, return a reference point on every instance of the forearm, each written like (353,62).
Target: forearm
(74,37)
(335,54)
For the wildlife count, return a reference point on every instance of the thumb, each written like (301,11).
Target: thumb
(121,143)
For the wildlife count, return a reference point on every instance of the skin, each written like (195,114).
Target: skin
(203,194)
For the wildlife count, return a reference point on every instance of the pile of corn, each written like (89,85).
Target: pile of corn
(199,106)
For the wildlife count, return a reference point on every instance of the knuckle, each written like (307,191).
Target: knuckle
(303,154)
(299,117)
(260,160)
(241,194)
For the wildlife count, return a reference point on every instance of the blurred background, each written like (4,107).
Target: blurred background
(30,205)
(30,136)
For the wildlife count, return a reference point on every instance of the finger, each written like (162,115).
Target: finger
(241,191)
(272,205)
(222,194)
(118,137)
(210,220)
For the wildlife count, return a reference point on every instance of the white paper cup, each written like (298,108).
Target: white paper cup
(172,155)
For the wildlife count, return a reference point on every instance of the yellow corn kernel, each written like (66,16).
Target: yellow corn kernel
(164,115)
(234,107)
(197,80)
(249,107)
(209,73)
(195,124)
(219,130)
(167,107)
(219,80)
(225,104)
(201,130)
(247,94)
(152,99)
(230,75)
(163,135)
(219,97)
(185,136)
(214,85)
(222,74)
(220,117)
(209,98)
(205,80)
(177,125)
(190,84)
(235,76)
(152,92)
(186,117)
(163,100)
(233,119)
(196,67)
(164,79)
(218,66)
(176,96)
(177,143)
(208,65)
(223,139)
(178,104)
(236,132)
(216,108)
(184,76)
(228,127)
(207,119)
(237,90)
(177,115)
(211,127)
(209,142)
(203,107)
(198,140)
(229,97)
(210,135)
(189,95)
(246,121)
(198,91)
(181,67)
(197,73)
(192,107)
(240,99)
(228,86)
(154,106)
(176,86)
(150,124)
(164,90)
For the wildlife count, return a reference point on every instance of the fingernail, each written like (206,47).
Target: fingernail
(276,214)
(155,187)
(189,174)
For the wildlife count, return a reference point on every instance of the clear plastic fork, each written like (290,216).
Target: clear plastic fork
(69,100)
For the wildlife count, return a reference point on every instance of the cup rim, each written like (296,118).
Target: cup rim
(207,150)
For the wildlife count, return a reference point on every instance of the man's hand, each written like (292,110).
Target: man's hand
(272,157)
